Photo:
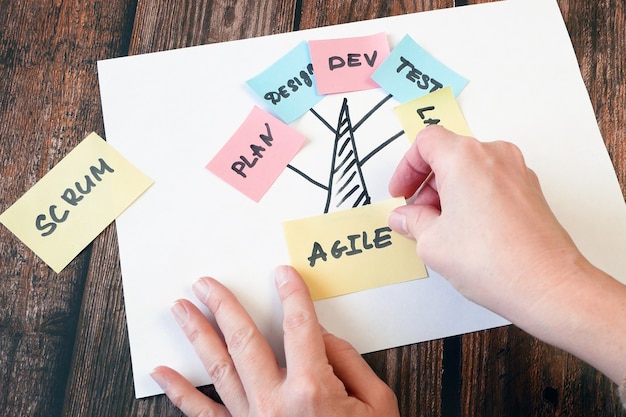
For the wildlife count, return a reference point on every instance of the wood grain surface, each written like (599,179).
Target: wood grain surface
(64,347)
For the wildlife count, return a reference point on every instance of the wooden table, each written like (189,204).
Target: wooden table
(63,340)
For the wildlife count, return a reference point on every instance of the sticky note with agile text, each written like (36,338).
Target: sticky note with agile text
(288,87)
(256,154)
(351,250)
(410,72)
(347,64)
(440,108)
(65,210)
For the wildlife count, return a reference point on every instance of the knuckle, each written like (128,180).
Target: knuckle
(239,340)
(219,370)
(297,319)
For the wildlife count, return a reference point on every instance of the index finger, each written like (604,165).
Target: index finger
(304,344)
(415,166)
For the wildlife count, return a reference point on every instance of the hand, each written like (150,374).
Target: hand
(324,376)
(482,222)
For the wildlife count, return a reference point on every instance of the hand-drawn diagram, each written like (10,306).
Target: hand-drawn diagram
(346,186)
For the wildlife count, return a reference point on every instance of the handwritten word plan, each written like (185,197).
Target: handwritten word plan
(351,250)
(256,154)
(73,203)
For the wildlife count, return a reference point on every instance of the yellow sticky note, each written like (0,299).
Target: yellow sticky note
(439,107)
(73,203)
(351,250)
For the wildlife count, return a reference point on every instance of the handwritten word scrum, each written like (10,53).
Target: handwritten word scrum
(72,196)
(357,244)
(291,86)
(423,81)
(257,153)
(352,60)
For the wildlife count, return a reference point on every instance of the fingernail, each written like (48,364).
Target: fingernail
(397,222)
(180,313)
(281,276)
(202,289)
(160,379)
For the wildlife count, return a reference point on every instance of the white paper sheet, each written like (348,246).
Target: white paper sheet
(170,112)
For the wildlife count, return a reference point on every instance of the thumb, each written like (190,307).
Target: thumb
(412,220)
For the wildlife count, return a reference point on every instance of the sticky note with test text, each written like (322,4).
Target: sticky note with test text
(351,250)
(287,88)
(256,153)
(347,64)
(439,107)
(73,203)
(410,72)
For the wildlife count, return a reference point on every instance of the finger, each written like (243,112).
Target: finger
(415,167)
(252,356)
(357,376)
(213,354)
(411,221)
(185,396)
(304,345)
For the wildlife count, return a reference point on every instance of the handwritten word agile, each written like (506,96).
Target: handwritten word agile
(358,243)
(257,153)
(291,86)
(72,196)
(423,81)
(352,60)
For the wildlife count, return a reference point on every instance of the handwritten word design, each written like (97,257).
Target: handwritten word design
(256,154)
(347,64)
(351,250)
(67,208)
(410,72)
(287,88)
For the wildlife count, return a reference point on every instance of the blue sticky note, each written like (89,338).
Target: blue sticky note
(410,72)
(287,88)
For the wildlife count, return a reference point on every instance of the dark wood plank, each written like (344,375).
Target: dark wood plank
(48,103)
(101,376)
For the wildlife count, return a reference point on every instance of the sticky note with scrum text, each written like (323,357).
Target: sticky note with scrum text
(347,64)
(410,72)
(287,87)
(256,154)
(65,210)
(439,108)
(351,250)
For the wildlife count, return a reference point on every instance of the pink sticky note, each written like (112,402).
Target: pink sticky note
(256,154)
(347,64)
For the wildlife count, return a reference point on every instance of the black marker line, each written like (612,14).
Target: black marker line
(368,114)
(306,177)
(381,146)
